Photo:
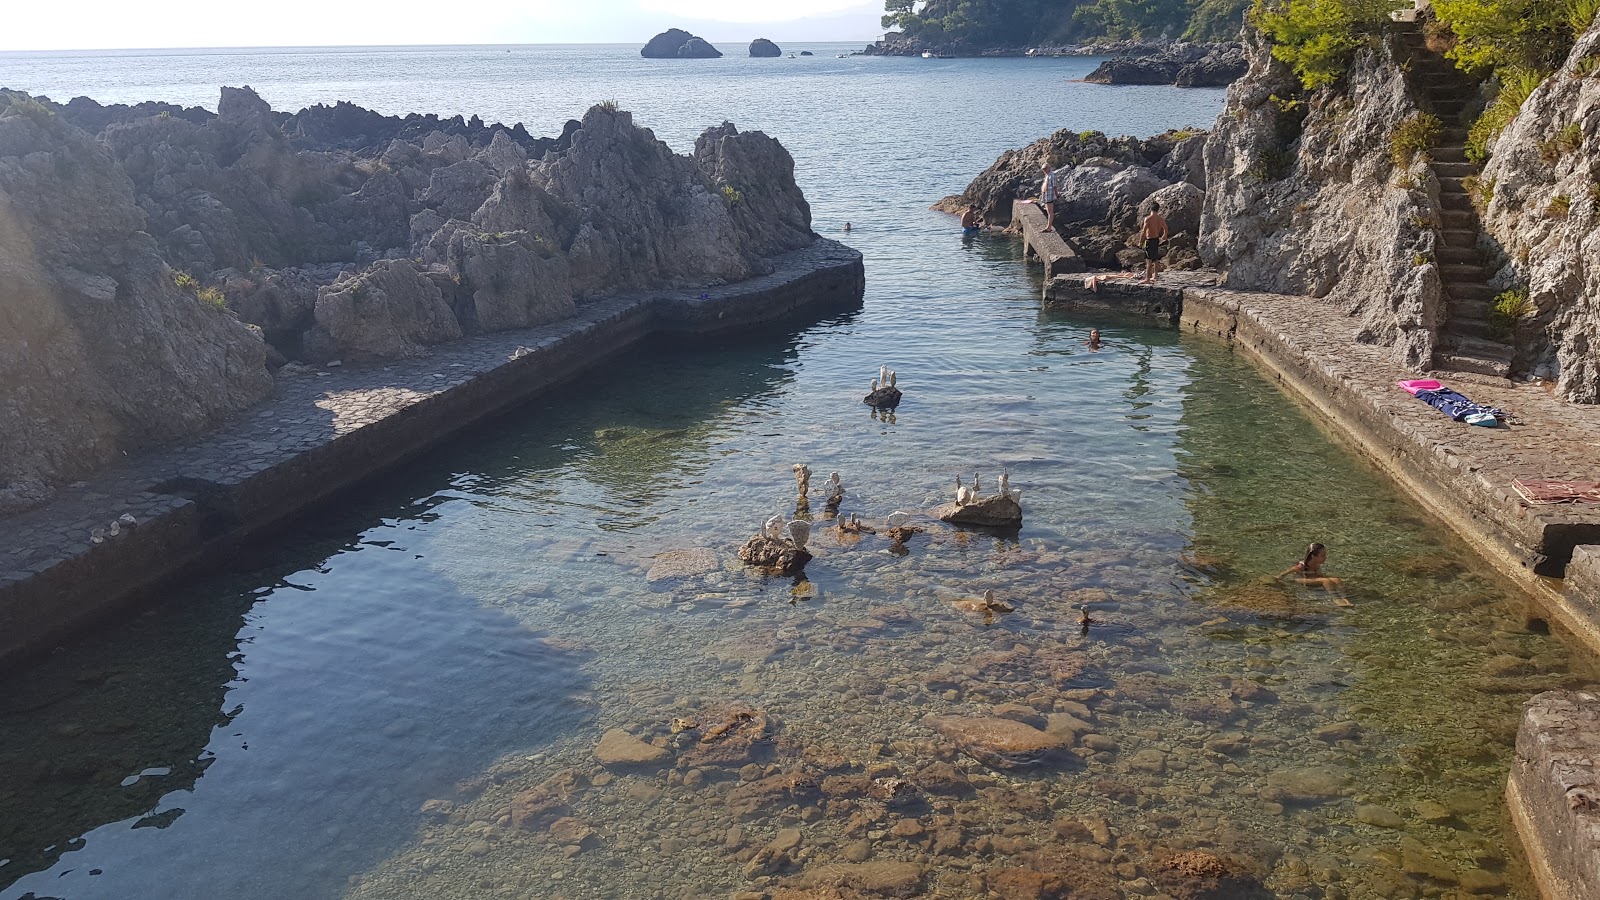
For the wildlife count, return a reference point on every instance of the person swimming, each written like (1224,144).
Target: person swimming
(847,226)
(1093,343)
(1308,571)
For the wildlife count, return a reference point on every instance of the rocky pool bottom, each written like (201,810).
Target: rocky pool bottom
(704,731)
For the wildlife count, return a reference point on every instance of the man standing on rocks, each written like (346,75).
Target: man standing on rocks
(1153,232)
(1047,197)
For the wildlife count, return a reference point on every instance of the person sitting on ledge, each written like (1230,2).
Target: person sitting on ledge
(971,222)
(1154,233)
(1308,571)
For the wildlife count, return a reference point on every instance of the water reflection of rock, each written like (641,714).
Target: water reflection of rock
(81,722)
(346,735)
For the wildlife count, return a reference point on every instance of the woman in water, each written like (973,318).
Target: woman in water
(1308,571)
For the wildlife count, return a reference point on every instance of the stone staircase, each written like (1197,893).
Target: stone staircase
(1466,343)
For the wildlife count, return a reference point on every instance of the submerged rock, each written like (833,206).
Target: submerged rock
(996,742)
(617,748)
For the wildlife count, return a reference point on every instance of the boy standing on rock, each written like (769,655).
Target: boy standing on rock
(1047,197)
(1153,232)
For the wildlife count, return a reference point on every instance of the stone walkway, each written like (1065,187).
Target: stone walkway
(1462,472)
(326,430)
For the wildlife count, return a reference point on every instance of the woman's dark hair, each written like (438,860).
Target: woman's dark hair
(1311,551)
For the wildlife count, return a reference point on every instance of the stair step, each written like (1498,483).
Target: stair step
(1469,310)
(1464,272)
(1455,200)
(1464,255)
(1460,237)
(1452,184)
(1489,349)
(1459,218)
(1456,362)
(1453,136)
(1475,329)
(1452,156)
(1468,291)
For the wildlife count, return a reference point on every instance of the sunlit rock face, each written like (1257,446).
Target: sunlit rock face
(1320,208)
(102,348)
(1540,224)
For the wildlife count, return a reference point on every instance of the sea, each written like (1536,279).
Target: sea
(401,694)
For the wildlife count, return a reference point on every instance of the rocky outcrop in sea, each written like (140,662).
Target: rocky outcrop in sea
(675,43)
(761,47)
(1182,64)
(1104,186)
(157,272)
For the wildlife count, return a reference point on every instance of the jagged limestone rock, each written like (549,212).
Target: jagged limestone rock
(1327,215)
(1540,224)
(101,350)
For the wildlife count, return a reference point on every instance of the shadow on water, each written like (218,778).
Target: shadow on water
(335,679)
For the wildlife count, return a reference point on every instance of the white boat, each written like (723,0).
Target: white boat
(927,54)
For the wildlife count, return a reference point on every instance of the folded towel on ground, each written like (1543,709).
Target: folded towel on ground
(1545,491)
(1419,384)
(1455,405)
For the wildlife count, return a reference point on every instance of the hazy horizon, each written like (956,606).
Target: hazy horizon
(100,25)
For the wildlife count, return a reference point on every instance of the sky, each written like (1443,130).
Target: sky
(119,24)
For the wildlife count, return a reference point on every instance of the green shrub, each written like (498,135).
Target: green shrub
(184,280)
(1515,87)
(1560,206)
(1087,136)
(1581,14)
(608,105)
(1508,308)
(1480,190)
(212,297)
(1318,38)
(1507,34)
(1588,65)
(731,195)
(1415,135)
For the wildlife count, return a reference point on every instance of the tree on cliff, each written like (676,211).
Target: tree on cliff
(1013,23)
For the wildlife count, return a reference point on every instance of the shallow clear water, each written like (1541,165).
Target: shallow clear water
(467,628)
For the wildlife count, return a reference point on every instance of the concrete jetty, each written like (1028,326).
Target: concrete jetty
(1049,247)
(1463,474)
(327,431)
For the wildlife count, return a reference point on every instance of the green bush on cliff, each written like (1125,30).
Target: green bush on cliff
(1318,38)
(1413,136)
(1530,35)
(1515,87)
(1507,309)
(1016,23)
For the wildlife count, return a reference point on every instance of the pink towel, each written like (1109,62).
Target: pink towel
(1419,384)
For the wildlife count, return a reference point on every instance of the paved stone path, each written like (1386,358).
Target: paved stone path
(326,429)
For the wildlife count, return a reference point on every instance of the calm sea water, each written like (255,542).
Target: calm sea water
(364,707)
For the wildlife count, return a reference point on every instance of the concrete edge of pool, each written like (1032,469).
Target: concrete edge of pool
(1461,475)
(321,434)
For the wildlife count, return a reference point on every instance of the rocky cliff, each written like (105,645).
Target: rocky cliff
(1181,63)
(1304,197)
(103,347)
(1104,186)
(154,273)
(1541,215)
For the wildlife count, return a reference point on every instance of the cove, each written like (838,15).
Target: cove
(364,706)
